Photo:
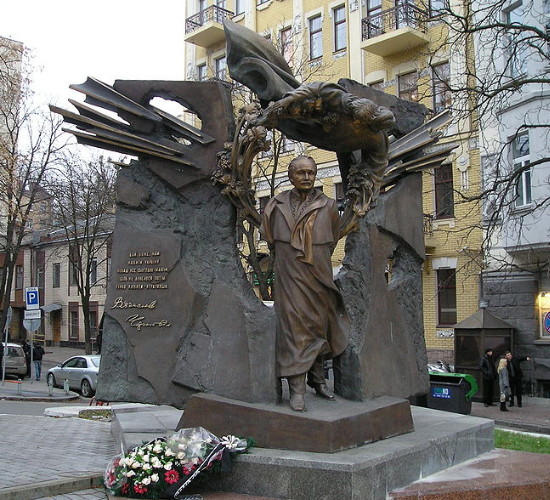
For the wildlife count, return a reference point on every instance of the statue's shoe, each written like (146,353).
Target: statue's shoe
(297,402)
(323,391)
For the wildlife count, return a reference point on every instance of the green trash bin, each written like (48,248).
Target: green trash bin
(452,392)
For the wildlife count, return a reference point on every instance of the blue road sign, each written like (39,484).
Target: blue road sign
(32,298)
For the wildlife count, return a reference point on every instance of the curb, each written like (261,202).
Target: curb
(41,398)
(51,488)
(537,429)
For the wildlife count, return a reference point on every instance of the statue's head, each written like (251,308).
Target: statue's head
(301,173)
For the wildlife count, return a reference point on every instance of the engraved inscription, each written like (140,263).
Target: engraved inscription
(143,270)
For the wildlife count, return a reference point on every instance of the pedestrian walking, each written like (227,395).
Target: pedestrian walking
(489,374)
(37,354)
(27,350)
(503,383)
(515,375)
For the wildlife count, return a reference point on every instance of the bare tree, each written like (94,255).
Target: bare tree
(499,55)
(29,146)
(84,203)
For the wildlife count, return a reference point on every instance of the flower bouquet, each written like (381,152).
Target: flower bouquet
(164,467)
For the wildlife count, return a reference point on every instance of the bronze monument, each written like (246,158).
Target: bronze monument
(183,326)
(302,227)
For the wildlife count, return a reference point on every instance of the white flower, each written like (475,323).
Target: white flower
(157,448)
(156,463)
(146,480)
(180,455)
(169,453)
(146,467)
(168,465)
(146,458)
(130,473)
(135,465)
(155,478)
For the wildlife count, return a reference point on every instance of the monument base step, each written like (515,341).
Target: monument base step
(497,474)
(326,426)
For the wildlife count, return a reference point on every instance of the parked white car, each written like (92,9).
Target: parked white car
(79,371)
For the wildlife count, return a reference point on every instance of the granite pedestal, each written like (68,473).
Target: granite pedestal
(326,426)
(440,440)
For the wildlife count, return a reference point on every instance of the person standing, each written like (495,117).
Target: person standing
(27,350)
(516,377)
(38,354)
(503,383)
(301,227)
(489,374)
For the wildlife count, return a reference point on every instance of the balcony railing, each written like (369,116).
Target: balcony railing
(401,16)
(212,13)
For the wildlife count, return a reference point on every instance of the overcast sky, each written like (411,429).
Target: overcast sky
(106,39)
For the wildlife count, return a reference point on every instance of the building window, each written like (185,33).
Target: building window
(444,192)
(440,87)
(377,85)
(339,196)
(408,86)
(269,152)
(516,45)
(315,38)
(56,275)
(340,35)
(201,72)
(520,155)
(446,296)
(94,330)
(93,271)
(220,64)
(437,8)
(287,145)
(73,321)
(18,277)
(239,6)
(287,46)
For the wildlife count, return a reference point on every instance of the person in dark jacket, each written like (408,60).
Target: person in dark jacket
(516,377)
(489,374)
(37,354)
(27,350)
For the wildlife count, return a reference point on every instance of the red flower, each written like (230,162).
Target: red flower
(110,477)
(139,488)
(171,476)
(125,488)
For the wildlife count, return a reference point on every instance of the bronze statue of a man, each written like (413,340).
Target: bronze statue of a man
(302,227)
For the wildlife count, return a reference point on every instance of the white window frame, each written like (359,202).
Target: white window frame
(523,189)
(336,25)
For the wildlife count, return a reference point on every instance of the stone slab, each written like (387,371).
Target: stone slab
(327,426)
(497,474)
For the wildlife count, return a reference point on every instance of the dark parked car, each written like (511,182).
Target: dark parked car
(79,371)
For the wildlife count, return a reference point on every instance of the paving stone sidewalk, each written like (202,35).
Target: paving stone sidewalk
(39,453)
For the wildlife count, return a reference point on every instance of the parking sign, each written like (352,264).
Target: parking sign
(32,298)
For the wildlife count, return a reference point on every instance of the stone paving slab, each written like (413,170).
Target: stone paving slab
(499,474)
(49,453)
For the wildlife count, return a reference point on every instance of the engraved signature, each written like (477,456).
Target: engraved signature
(120,303)
(138,322)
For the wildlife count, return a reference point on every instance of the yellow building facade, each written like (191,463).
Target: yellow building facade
(401,49)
